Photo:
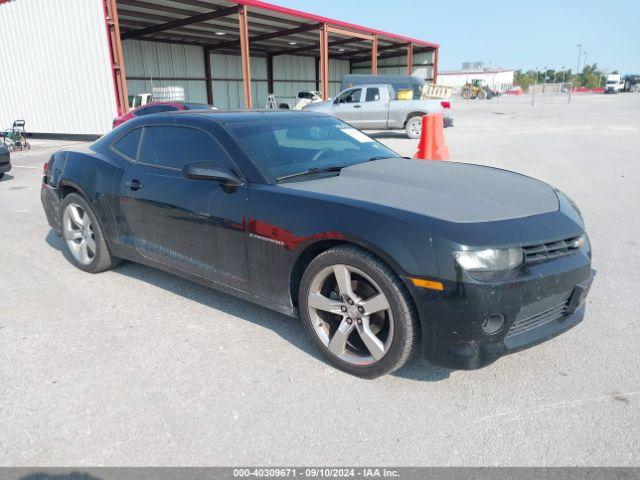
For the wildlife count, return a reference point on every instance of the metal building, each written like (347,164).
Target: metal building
(72,65)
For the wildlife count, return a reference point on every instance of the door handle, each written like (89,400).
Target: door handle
(357,106)
(134,184)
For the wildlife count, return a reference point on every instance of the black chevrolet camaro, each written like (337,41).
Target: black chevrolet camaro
(306,215)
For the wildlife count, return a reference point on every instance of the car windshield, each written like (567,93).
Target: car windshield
(284,147)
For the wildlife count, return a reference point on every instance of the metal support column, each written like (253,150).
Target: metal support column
(207,74)
(270,74)
(117,58)
(374,55)
(244,51)
(410,59)
(324,61)
(435,66)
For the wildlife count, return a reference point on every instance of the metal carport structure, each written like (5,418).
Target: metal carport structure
(251,29)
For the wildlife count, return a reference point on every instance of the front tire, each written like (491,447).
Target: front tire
(413,128)
(357,312)
(83,237)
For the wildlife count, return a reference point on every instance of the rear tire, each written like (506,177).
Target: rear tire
(83,237)
(364,324)
(1,175)
(413,128)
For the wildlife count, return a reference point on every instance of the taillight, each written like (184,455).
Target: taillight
(45,168)
(445,104)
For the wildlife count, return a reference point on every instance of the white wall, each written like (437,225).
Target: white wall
(55,69)
(226,72)
(500,80)
(153,64)
(337,68)
(291,75)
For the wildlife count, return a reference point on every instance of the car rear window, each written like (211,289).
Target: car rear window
(128,145)
(373,94)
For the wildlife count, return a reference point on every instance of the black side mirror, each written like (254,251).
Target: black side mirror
(210,171)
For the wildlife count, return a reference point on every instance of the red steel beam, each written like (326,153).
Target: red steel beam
(244,52)
(324,61)
(374,55)
(410,59)
(117,57)
(435,66)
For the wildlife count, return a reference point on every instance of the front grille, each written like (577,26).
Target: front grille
(548,251)
(529,323)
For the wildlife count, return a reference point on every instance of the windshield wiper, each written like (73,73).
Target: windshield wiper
(311,171)
(314,170)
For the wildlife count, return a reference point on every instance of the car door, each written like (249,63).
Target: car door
(374,109)
(191,225)
(348,106)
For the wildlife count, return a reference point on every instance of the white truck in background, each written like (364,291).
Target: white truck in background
(614,84)
(374,107)
(158,94)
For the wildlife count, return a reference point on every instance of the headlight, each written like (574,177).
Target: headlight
(489,260)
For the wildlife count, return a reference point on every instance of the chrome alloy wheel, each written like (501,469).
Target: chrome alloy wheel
(350,314)
(78,233)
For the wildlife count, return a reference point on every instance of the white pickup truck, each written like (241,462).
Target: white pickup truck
(374,107)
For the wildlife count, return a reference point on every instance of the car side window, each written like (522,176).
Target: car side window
(350,96)
(175,146)
(373,94)
(128,144)
(154,109)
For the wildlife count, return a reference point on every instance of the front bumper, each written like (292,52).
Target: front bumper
(542,302)
(5,167)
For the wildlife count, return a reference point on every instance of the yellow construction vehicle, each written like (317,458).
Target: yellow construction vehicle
(477,89)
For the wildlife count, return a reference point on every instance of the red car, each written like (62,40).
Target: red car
(157,107)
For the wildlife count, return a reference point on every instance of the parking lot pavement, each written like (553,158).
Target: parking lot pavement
(137,367)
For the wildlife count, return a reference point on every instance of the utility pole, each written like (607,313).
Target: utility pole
(579,55)
(535,86)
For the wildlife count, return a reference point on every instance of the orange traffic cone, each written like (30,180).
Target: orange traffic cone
(431,145)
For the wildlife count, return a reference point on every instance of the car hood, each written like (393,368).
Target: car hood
(455,192)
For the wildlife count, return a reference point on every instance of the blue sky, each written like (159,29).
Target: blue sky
(515,34)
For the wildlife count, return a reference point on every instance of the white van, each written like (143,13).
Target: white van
(614,84)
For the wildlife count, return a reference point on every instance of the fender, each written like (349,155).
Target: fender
(312,248)
(93,181)
(414,113)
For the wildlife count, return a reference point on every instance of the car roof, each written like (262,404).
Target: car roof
(241,116)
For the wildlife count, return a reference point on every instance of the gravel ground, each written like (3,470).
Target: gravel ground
(137,367)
